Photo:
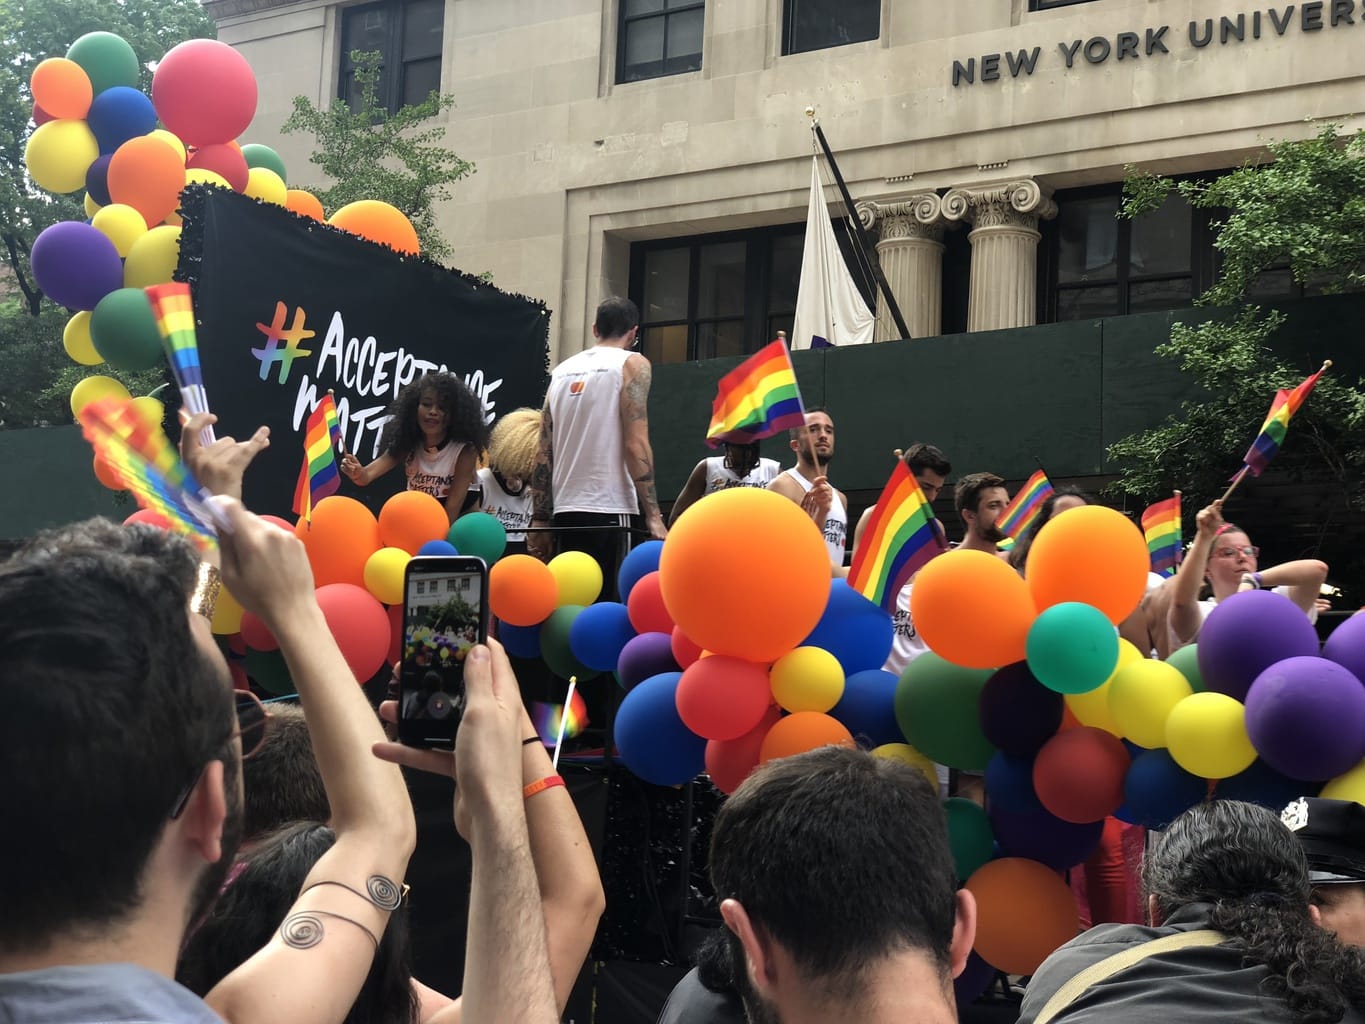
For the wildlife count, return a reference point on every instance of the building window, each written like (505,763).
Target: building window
(820,24)
(407,36)
(1047,5)
(658,37)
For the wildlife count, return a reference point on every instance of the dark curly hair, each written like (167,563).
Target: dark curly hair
(1239,859)
(1019,553)
(464,415)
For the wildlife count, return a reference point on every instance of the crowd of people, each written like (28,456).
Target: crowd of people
(183,854)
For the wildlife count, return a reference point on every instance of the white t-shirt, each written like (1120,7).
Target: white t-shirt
(836,521)
(1208,604)
(906,643)
(512,510)
(584,400)
(433,472)
(720,477)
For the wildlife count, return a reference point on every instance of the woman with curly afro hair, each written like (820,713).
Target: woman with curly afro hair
(436,430)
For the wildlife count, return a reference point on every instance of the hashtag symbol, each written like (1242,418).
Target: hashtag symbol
(271,352)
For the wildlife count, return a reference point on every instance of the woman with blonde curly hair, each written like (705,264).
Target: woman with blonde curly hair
(504,483)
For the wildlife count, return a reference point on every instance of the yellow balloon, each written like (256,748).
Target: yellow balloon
(1206,734)
(578,577)
(1141,695)
(264,184)
(92,388)
(171,139)
(91,207)
(906,754)
(1093,708)
(59,153)
(384,574)
(154,412)
(807,679)
(1347,786)
(77,341)
(227,614)
(153,258)
(121,224)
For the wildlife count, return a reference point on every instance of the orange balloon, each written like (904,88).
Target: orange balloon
(522,590)
(379,222)
(147,174)
(108,475)
(411,518)
(343,536)
(1024,911)
(1092,554)
(801,731)
(305,204)
(62,88)
(972,609)
(745,573)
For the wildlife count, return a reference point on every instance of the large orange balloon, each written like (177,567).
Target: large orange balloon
(972,609)
(1092,554)
(343,536)
(62,88)
(379,222)
(305,204)
(522,590)
(147,174)
(1024,911)
(802,731)
(745,573)
(411,518)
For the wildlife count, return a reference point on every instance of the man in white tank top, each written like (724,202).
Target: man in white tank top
(807,483)
(740,466)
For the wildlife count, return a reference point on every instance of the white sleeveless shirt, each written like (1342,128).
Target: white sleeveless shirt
(584,400)
(432,472)
(720,477)
(836,521)
(512,510)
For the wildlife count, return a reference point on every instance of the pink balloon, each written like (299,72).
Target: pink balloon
(359,624)
(204,91)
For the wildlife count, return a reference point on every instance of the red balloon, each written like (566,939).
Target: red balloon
(256,634)
(359,624)
(238,672)
(1078,774)
(729,762)
(722,698)
(205,92)
(41,116)
(148,517)
(224,160)
(685,650)
(645,606)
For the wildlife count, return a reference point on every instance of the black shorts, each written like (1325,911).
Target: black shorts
(615,535)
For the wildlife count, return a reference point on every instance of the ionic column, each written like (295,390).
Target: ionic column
(1004,217)
(910,249)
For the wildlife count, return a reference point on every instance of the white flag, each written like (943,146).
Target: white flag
(829,308)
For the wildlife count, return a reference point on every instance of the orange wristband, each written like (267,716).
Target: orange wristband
(540,785)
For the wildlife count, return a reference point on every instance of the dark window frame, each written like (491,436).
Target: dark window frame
(392,59)
(789,41)
(623,23)
(1048,5)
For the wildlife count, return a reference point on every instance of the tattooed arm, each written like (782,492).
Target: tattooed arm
(542,487)
(635,429)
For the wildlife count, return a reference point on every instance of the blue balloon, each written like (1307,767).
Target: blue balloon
(1009,784)
(1045,838)
(1262,784)
(853,629)
(639,563)
(868,706)
(975,978)
(437,547)
(651,738)
(118,114)
(520,641)
(1156,790)
(599,634)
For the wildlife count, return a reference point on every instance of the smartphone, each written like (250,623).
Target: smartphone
(445,613)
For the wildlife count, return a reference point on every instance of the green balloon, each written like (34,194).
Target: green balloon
(257,155)
(1072,647)
(970,835)
(936,709)
(1187,661)
(123,328)
(479,534)
(107,59)
(554,644)
(268,670)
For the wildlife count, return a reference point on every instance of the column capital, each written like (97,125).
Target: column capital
(912,215)
(1017,203)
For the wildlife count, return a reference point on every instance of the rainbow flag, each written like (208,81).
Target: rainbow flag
(1020,512)
(147,463)
(1276,424)
(545,717)
(1161,527)
(175,320)
(757,399)
(319,476)
(900,537)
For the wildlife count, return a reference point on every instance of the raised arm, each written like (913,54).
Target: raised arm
(542,487)
(1184,616)
(635,428)
(461,479)
(1304,578)
(691,492)
(363,476)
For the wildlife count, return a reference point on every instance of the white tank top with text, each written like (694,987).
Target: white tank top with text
(836,522)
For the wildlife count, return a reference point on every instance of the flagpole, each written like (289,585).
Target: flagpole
(891,306)
(332,394)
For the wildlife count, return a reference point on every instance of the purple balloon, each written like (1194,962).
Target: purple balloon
(975,978)
(1346,646)
(1045,838)
(75,265)
(1018,714)
(1246,634)
(651,738)
(1306,718)
(97,179)
(647,655)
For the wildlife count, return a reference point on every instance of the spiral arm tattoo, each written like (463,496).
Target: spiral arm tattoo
(302,931)
(384,892)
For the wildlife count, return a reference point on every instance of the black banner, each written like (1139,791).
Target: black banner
(288,308)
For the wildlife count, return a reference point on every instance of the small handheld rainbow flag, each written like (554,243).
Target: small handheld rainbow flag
(147,463)
(900,537)
(175,319)
(757,399)
(1020,512)
(1276,425)
(1161,527)
(319,476)
(547,719)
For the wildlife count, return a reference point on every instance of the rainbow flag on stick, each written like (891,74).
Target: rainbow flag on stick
(1026,505)
(319,476)
(1161,527)
(900,537)
(175,319)
(547,719)
(1276,425)
(757,399)
(147,463)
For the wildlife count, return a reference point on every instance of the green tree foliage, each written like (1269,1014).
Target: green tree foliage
(368,153)
(1306,207)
